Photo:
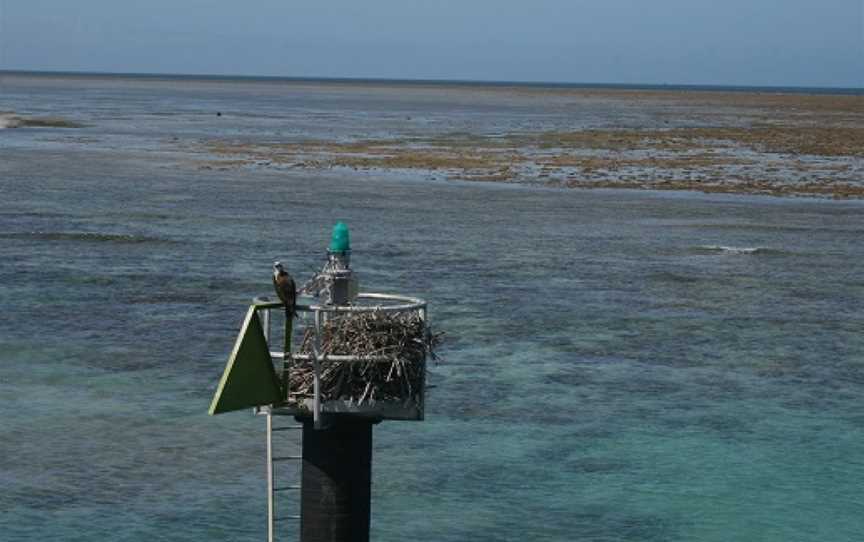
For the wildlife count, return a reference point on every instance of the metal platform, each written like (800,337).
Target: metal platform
(312,316)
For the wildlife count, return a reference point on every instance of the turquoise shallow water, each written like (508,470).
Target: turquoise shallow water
(619,366)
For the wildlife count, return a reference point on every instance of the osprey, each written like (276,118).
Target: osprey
(285,289)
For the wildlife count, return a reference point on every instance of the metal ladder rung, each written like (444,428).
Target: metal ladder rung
(288,458)
(275,463)
(286,488)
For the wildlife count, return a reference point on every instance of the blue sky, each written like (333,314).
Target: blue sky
(736,42)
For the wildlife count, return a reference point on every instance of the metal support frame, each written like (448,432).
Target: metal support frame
(316,383)
(366,302)
(274,515)
(271,504)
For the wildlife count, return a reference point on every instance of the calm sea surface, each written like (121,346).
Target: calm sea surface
(619,366)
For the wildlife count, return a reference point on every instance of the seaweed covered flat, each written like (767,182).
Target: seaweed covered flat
(11,120)
(777,144)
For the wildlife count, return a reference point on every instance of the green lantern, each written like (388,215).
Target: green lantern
(341,239)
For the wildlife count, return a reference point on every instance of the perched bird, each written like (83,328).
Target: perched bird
(285,289)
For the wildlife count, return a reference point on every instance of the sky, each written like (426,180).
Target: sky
(725,42)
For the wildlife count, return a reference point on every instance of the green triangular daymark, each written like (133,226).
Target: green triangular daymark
(249,379)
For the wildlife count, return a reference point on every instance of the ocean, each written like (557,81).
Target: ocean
(617,366)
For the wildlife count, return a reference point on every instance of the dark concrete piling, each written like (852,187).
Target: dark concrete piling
(336,481)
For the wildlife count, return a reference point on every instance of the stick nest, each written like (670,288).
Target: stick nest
(393,348)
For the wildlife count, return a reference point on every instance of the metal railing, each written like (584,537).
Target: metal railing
(320,313)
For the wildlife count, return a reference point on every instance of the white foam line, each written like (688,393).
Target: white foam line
(732,250)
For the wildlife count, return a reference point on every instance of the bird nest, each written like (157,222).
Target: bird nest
(389,350)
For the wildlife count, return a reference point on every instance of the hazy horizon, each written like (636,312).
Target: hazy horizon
(774,43)
(493,82)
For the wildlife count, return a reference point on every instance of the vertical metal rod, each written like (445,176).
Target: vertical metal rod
(286,355)
(271,508)
(265,316)
(424,316)
(316,398)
